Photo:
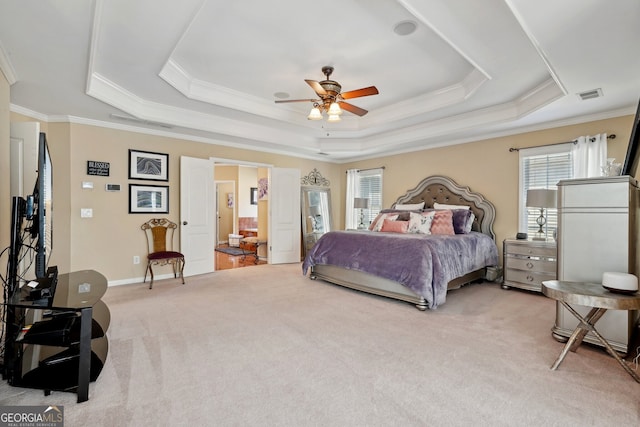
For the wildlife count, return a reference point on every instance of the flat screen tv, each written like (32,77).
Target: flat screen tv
(632,158)
(42,227)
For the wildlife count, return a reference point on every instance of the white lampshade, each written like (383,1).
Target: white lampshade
(314,210)
(334,109)
(542,198)
(360,203)
(315,114)
(333,118)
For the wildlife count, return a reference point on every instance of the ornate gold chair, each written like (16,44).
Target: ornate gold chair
(159,234)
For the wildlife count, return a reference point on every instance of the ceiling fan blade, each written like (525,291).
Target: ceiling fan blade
(295,100)
(352,108)
(365,91)
(316,87)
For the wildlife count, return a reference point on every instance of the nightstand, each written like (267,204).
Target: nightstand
(528,262)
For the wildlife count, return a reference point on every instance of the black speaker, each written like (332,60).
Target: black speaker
(521,236)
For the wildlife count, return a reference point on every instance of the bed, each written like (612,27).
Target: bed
(415,268)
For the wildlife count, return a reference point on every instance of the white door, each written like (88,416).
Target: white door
(24,157)
(284,215)
(197,215)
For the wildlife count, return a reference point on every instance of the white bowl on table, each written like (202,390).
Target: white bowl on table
(620,282)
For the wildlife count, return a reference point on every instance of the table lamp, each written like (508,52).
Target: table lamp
(362,204)
(541,198)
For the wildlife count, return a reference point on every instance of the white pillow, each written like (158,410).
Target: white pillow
(469,225)
(420,223)
(409,207)
(443,206)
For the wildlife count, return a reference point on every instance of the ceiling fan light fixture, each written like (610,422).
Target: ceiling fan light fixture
(315,114)
(334,109)
(333,118)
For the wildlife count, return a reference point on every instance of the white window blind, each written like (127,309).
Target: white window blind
(370,187)
(542,168)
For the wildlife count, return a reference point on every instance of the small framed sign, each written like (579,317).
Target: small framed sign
(97,168)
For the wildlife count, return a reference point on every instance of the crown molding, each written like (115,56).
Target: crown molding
(6,66)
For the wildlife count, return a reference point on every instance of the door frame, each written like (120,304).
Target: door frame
(235,197)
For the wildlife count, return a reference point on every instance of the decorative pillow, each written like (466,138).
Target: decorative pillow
(404,216)
(409,207)
(375,221)
(469,226)
(391,226)
(461,220)
(443,206)
(420,223)
(380,222)
(442,223)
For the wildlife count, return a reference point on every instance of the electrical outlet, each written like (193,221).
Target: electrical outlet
(136,259)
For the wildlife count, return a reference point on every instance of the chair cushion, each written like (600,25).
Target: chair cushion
(165,255)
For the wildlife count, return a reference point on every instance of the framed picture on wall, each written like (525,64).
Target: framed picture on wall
(263,189)
(148,165)
(254,196)
(148,198)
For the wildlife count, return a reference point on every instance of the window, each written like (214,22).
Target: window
(542,168)
(365,184)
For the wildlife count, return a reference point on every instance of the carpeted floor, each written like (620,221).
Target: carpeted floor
(265,346)
(231,251)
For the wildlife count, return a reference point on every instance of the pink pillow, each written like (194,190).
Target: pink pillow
(442,223)
(394,226)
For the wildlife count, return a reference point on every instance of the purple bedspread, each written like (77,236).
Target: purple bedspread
(423,263)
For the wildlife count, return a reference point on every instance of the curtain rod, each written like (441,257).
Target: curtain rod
(370,169)
(575,141)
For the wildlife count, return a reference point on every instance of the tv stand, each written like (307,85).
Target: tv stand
(58,343)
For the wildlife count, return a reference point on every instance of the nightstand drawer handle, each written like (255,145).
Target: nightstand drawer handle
(530,278)
(530,265)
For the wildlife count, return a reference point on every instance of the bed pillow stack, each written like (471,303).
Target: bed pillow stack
(442,219)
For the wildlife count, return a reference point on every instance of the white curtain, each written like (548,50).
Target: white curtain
(589,154)
(350,219)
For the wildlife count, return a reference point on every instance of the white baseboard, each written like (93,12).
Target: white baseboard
(138,280)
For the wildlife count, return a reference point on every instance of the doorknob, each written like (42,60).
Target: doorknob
(184,223)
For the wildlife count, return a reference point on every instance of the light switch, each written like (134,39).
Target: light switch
(86,213)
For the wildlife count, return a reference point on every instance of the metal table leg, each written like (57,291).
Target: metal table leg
(585,326)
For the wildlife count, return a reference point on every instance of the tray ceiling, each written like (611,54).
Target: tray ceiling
(211,70)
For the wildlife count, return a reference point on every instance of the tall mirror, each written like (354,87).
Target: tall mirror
(316,214)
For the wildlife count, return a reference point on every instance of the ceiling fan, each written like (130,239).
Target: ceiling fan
(331,99)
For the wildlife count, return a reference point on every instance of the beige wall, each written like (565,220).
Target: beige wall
(108,241)
(247,178)
(487,166)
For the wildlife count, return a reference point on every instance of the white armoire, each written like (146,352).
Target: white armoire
(598,231)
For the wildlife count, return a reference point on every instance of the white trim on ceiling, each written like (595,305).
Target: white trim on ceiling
(6,67)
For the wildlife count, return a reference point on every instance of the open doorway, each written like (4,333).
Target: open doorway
(278,221)
(237,216)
